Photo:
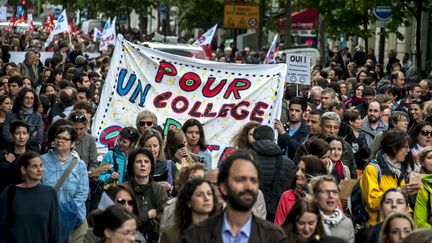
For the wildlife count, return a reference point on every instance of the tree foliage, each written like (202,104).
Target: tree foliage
(199,13)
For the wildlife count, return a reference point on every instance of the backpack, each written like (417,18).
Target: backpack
(358,209)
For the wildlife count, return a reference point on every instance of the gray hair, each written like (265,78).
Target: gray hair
(329,91)
(330,115)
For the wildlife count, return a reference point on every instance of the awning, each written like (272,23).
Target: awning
(305,19)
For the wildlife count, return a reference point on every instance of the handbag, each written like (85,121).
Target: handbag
(69,212)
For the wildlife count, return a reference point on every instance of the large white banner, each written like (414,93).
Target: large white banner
(222,96)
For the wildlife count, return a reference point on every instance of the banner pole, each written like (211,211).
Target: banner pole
(297,92)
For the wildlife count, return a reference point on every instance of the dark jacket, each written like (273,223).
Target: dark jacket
(210,230)
(272,185)
(290,144)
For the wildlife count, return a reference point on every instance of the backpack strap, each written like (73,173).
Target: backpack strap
(378,168)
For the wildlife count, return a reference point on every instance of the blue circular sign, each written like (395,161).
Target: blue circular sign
(383,12)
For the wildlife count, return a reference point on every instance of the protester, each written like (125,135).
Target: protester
(9,157)
(25,108)
(240,196)
(196,142)
(244,138)
(196,202)
(396,227)
(152,197)
(422,212)
(116,224)
(74,189)
(309,166)
(359,144)
(392,170)
(303,222)
(128,137)
(145,120)
(165,171)
(21,222)
(176,149)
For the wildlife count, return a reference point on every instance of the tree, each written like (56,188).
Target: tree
(199,13)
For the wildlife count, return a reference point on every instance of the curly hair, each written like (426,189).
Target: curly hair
(19,100)
(183,175)
(183,208)
(240,140)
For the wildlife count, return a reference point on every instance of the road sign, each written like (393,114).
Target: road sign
(383,12)
(241,15)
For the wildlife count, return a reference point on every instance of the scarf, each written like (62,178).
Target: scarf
(394,167)
(331,220)
(25,114)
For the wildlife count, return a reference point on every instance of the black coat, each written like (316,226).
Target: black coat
(210,230)
(291,143)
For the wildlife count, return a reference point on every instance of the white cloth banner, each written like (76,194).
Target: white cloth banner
(222,96)
(62,25)
(108,36)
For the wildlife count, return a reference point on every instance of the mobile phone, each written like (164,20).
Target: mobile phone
(180,146)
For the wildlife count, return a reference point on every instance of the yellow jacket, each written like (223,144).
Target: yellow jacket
(371,191)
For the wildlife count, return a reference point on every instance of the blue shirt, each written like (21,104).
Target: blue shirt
(229,237)
(76,185)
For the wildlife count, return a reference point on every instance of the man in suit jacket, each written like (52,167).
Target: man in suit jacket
(238,182)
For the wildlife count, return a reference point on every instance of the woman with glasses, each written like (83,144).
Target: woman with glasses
(420,137)
(146,120)
(309,166)
(165,170)
(21,222)
(115,224)
(120,195)
(326,194)
(75,188)
(152,197)
(25,108)
(303,221)
(387,171)
(127,139)
(196,142)
(196,202)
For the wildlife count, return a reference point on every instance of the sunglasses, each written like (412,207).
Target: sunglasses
(425,133)
(79,117)
(123,202)
(142,123)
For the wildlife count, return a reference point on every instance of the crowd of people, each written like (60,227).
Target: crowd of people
(355,122)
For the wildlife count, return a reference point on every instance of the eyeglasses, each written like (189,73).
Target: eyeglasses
(328,191)
(79,117)
(124,201)
(425,133)
(62,139)
(148,123)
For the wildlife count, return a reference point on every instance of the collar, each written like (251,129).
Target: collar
(245,230)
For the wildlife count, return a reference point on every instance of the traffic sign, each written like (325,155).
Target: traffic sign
(383,12)
(241,15)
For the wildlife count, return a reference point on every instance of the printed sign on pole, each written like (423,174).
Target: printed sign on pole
(299,69)
(3,14)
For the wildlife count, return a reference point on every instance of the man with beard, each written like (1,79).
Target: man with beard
(238,182)
(372,123)
(293,133)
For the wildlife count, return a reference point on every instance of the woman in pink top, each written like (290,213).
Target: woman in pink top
(309,166)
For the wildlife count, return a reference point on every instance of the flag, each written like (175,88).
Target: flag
(12,21)
(96,34)
(60,26)
(49,23)
(108,36)
(272,52)
(206,38)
